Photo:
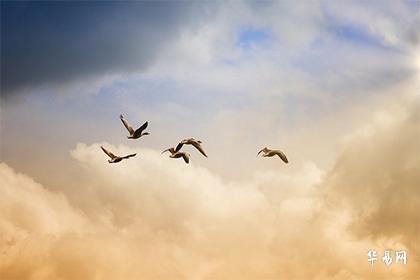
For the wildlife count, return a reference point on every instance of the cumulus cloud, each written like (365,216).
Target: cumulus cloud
(155,217)
(376,178)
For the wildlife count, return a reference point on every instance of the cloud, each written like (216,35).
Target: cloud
(151,217)
(376,177)
(65,45)
(391,24)
(44,44)
(155,217)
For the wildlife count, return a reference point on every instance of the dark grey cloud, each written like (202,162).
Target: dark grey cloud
(45,43)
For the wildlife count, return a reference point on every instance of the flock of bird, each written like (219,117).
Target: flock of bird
(176,151)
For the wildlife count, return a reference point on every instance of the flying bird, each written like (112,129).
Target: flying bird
(134,134)
(193,142)
(175,154)
(270,153)
(114,158)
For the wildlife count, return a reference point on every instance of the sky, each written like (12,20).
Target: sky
(333,84)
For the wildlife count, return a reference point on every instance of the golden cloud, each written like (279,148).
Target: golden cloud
(153,217)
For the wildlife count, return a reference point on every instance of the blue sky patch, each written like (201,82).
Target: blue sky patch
(250,37)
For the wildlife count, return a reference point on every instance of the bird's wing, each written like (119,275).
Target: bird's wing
(127,125)
(172,150)
(111,155)
(186,158)
(178,147)
(262,150)
(282,156)
(141,128)
(199,148)
(129,156)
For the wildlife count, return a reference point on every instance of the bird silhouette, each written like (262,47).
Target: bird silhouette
(134,134)
(270,153)
(193,142)
(175,154)
(114,158)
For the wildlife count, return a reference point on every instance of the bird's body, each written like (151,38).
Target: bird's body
(270,153)
(193,142)
(114,158)
(134,134)
(175,154)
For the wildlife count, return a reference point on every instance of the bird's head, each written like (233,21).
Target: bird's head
(262,150)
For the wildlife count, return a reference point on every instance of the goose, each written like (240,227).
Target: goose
(134,134)
(175,154)
(114,158)
(193,142)
(270,153)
